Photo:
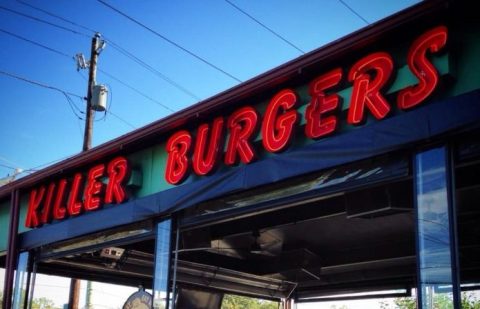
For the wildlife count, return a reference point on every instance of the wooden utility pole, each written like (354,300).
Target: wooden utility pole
(92,73)
(74,297)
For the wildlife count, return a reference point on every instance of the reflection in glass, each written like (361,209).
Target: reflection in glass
(162,260)
(2,279)
(433,226)
(21,281)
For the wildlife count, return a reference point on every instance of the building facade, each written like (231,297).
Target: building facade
(348,170)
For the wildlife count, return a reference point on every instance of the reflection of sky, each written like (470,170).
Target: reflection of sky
(433,217)
(162,257)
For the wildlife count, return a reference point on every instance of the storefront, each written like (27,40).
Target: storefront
(351,169)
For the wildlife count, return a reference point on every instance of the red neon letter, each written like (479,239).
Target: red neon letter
(279,120)
(242,124)
(366,86)
(59,210)
(74,206)
(321,103)
(47,206)
(427,75)
(178,147)
(118,171)
(33,204)
(94,187)
(204,163)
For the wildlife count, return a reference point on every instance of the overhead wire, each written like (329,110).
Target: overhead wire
(122,120)
(265,26)
(56,16)
(136,90)
(35,43)
(7,166)
(151,69)
(59,90)
(65,93)
(115,46)
(75,109)
(43,21)
(353,11)
(103,71)
(36,168)
(8,161)
(39,84)
(169,40)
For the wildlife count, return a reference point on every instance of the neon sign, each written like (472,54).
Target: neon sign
(368,77)
(70,197)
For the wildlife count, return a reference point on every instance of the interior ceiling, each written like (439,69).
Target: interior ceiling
(314,244)
(355,240)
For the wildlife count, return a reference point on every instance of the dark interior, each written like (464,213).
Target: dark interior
(341,231)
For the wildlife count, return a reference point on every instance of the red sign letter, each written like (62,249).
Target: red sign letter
(33,204)
(427,75)
(366,86)
(242,124)
(94,187)
(118,171)
(178,147)
(203,164)
(74,206)
(278,125)
(47,206)
(321,103)
(59,210)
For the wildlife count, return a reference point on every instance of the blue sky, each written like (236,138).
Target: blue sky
(38,126)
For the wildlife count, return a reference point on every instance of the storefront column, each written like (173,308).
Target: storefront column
(435,222)
(12,251)
(161,291)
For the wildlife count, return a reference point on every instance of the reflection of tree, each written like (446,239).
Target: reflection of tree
(440,301)
(241,302)
(37,303)
(43,303)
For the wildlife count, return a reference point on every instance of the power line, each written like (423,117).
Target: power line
(61,91)
(122,120)
(8,161)
(169,41)
(43,21)
(152,69)
(354,12)
(65,93)
(56,16)
(114,45)
(39,84)
(136,90)
(104,72)
(34,43)
(74,107)
(7,166)
(36,168)
(265,27)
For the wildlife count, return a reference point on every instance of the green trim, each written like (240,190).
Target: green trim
(4,222)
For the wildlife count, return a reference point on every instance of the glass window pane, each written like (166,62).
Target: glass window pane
(2,279)
(21,281)
(467,185)
(433,225)
(162,260)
